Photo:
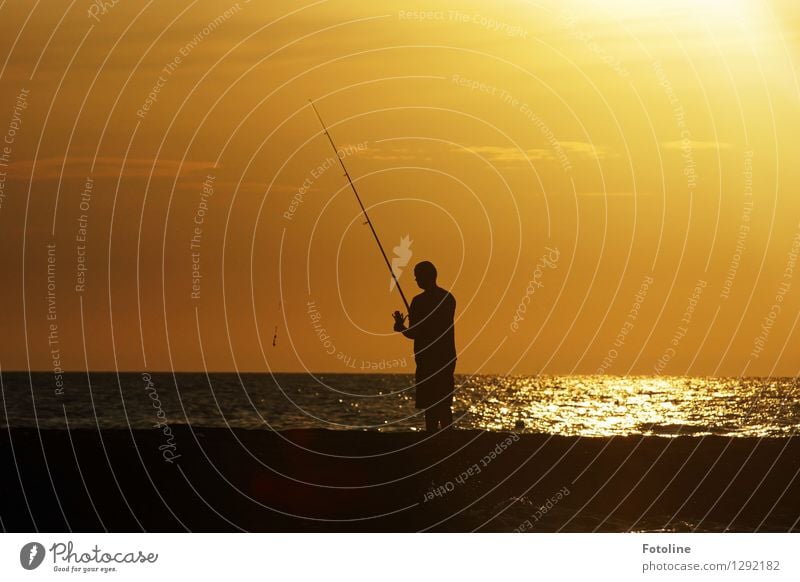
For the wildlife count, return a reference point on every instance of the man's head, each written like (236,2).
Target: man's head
(425,274)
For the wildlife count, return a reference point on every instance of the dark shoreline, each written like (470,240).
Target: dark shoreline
(319,480)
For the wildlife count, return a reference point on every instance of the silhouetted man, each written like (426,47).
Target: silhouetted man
(430,325)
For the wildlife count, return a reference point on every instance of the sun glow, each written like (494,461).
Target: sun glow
(715,9)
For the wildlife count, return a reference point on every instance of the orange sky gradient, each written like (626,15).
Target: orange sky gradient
(605,187)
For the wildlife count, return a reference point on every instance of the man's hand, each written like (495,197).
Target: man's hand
(399,321)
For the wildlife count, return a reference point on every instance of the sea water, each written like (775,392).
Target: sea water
(563,405)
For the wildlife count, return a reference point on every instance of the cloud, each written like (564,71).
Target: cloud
(389,153)
(696,145)
(377,156)
(615,194)
(583,148)
(572,149)
(507,154)
(104,167)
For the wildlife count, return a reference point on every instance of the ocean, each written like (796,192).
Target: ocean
(559,405)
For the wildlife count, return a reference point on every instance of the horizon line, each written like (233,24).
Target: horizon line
(367,373)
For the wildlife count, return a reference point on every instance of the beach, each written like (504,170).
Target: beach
(309,480)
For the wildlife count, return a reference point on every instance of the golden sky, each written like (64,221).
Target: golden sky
(606,187)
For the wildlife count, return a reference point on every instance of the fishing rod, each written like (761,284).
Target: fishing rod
(361,204)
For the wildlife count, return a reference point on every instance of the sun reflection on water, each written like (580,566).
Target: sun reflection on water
(606,406)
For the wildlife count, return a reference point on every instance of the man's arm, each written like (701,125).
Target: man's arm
(399,322)
(409,332)
(399,325)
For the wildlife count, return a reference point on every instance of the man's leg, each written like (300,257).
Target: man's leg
(431,419)
(446,415)
(440,415)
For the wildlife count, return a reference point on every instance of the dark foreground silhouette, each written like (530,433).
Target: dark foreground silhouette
(431,326)
(318,480)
